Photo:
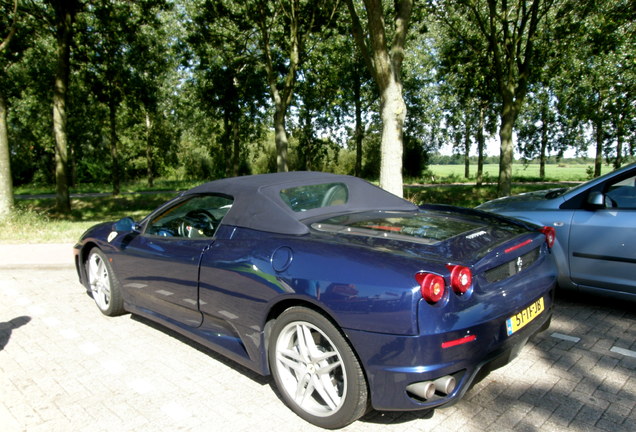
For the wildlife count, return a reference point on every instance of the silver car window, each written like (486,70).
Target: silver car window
(623,193)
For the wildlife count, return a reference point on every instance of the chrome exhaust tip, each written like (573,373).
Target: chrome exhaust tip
(445,385)
(424,389)
(427,389)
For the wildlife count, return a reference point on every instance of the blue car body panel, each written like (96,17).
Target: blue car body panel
(354,265)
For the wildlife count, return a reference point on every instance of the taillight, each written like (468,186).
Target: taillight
(461,278)
(550,235)
(431,286)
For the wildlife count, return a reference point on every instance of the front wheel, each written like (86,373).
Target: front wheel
(103,285)
(315,369)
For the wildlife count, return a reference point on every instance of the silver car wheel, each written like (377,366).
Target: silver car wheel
(311,369)
(315,368)
(99,281)
(103,285)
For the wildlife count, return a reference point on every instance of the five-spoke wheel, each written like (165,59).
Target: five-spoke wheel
(103,286)
(315,369)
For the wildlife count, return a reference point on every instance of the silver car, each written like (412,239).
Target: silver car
(595,225)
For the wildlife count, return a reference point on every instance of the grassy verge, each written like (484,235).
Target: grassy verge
(520,173)
(465,195)
(35,220)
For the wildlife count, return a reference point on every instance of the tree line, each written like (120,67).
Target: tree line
(115,90)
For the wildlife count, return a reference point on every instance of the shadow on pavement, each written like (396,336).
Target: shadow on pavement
(6,328)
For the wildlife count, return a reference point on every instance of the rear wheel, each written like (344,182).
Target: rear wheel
(315,369)
(103,285)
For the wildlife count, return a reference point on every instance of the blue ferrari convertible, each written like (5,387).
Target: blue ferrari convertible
(350,297)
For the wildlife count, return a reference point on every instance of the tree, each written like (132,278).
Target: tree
(65,12)
(283,28)
(151,61)
(124,66)
(506,35)
(537,131)
(6,182)
(598,81)
(423,94)
(384,60)
(229,78)
(467,91)
(333,96)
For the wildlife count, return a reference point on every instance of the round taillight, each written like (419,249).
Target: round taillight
(432,286)
(550,235)
(461,278)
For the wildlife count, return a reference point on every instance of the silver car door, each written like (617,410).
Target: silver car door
(602,246)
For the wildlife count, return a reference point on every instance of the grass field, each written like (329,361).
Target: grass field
(520,172)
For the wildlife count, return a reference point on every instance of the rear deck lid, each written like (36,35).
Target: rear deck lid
(456,234)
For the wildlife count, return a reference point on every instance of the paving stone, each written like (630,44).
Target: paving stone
(64,366)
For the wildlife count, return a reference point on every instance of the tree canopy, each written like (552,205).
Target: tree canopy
(105,92)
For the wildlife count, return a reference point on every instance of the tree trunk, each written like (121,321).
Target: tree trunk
(393,111)
(65,16)
(506,154)
(6,182)
(150,172)
(544,146)
(114,151)
(282,95)
(598,160)
(466,150)
(480,148)
(619,142)
(226,144)
(282,143)
(236,151)
(385,64)
(358,127)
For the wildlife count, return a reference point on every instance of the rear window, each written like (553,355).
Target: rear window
(303,198)
(427,228)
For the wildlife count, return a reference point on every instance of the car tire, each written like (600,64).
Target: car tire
(103,286)
(315,370)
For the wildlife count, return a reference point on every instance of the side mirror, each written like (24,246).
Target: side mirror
(596,200)
(126,225)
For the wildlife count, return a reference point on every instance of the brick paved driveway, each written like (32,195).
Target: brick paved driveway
(65,367)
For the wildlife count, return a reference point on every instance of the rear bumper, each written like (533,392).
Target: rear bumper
(392,363)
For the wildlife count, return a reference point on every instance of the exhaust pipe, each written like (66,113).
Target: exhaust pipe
(423,389)
(427,389)
(445,385)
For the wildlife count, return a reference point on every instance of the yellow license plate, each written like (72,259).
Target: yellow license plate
(520,320)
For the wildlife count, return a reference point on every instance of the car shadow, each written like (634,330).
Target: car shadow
(574,297)
(7,328)
(372,416)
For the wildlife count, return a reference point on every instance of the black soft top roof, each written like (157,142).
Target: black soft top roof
(258,204)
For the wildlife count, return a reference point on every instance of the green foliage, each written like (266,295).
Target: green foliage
(196,163)
(185,95)
(35,219)
(464,195)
